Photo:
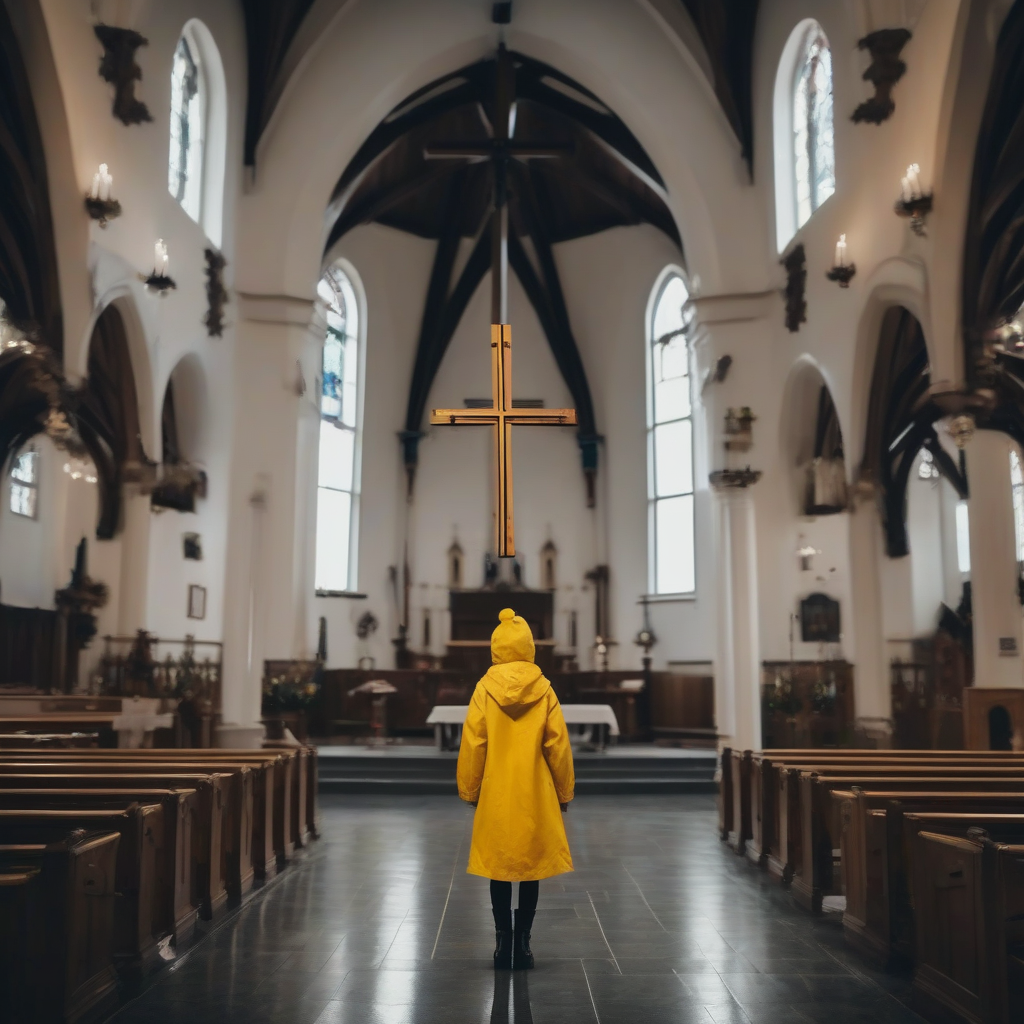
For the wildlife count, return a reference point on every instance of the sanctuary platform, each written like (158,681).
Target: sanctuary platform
(410,769)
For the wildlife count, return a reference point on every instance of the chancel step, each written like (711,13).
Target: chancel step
(394,770)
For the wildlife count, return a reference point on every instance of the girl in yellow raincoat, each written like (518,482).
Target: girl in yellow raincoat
(515,766)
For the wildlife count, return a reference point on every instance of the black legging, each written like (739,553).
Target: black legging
(501,895)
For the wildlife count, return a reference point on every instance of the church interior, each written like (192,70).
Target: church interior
(267,270)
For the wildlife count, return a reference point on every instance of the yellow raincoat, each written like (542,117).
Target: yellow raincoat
(515,759)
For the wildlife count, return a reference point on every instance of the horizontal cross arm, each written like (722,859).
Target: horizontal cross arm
(542,417)
(464,417)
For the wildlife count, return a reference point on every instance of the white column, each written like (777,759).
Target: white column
(738,657)
(267,612)
(873,698)
(996,606)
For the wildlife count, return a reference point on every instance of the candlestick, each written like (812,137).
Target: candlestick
(160,258)
(841,251)
(914,180)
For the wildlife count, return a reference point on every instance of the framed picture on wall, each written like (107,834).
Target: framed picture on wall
(196,601)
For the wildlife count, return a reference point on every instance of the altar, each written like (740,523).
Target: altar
(447,720)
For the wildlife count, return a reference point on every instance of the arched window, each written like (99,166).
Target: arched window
(670,442)
(338,478)
(197,153)
(188,125)
(1017,487)
(805,160)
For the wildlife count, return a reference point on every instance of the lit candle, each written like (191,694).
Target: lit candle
(841,251)
(106,182)
(914,180)
(905,189)
(95,191)
(160,258)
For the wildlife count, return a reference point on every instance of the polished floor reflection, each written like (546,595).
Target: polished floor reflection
(660,922)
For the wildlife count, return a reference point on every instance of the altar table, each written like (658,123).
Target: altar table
(444,715)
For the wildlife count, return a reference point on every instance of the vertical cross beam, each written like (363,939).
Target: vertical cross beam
(501,418)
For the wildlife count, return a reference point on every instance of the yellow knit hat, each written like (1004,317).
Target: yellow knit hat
(512,640)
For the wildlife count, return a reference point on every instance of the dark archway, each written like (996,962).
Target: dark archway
(901,419)
(106,414)
(1000,728)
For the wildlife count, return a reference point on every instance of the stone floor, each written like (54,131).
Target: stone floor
(380,924)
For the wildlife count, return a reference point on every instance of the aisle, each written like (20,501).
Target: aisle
(660,922)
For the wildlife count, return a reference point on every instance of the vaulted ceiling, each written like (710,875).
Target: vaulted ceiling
(725,27)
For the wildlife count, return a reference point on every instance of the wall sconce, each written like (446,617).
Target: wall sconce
(842,270)
(79,469)
(806,553)
(739,432)
(914,202)
(160,281)
(961,430)
(100,203)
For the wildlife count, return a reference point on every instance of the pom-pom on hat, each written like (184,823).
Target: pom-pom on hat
(512,640)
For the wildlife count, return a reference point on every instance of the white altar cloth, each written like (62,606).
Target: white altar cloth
(574,714)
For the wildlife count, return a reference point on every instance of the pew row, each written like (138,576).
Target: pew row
(174,909)
(209,863)
(57,927)
(141,831)
(878,843)
(968,892)
(812,835)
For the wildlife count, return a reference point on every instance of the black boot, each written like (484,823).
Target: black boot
(502,939)
(523,956)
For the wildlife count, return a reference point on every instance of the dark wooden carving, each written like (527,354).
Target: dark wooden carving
(29,286)
(795,262)
(216,293)
(884,71)
(119,68)
(819,620)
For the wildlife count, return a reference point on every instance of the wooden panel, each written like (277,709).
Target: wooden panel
(979,703)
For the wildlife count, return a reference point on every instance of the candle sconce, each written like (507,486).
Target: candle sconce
(842,271)
(159,280)
(100,203)
(914,202)
(739,429)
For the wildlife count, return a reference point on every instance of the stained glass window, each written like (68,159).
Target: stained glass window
(188,101)
(670,443)
(814,157)
(25,484)
(337,491)
(1017,486)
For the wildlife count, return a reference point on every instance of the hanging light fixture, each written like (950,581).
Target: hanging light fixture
(842,269)
(914,202)
(100,203)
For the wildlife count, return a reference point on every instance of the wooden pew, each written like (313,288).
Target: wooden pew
(56,929)
(174,912)
(811,849)
(783,778)
(141,828)
(878,830)
(208,862)
(761,829)
(969,897)
(237,832)
(277,826)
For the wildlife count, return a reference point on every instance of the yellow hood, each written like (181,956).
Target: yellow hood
(515,686)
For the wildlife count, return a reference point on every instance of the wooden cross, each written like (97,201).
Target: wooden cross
(501,417)
(500,149)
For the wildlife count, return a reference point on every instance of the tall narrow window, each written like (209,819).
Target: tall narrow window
(963,538)
(670,443)
(814,157)
(25,484)
(338,491)
(188,118)
(1017,486)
